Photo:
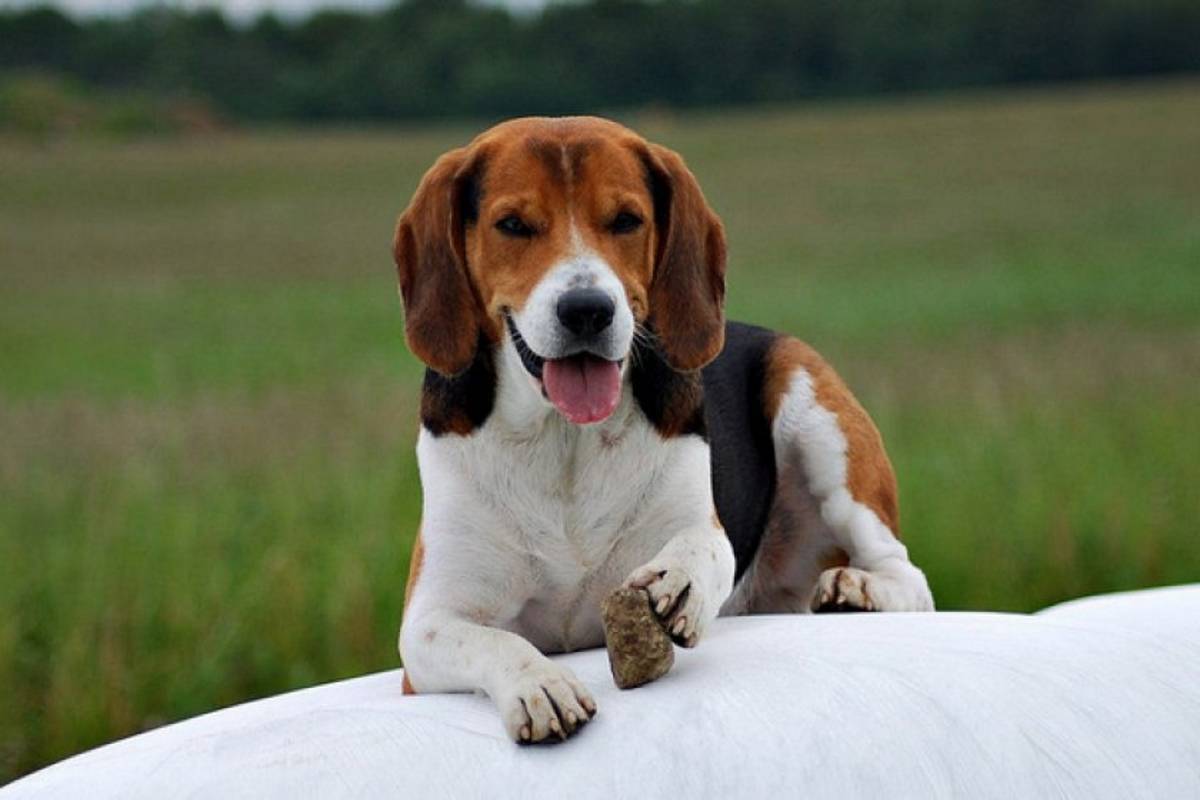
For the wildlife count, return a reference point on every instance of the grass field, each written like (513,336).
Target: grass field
(207,486)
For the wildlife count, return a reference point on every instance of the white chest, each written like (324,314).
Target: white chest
(551,519)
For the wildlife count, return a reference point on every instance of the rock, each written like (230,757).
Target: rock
(639,649)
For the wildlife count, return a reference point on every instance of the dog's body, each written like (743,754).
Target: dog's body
(589,420)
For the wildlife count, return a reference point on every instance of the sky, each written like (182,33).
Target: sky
(236,9)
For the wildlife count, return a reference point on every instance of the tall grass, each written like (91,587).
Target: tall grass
(207,487)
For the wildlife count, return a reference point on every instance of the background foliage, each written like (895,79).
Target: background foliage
(439,58)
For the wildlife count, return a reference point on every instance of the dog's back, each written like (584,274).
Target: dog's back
(739,434)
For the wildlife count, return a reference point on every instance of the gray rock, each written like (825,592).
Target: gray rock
(639,649)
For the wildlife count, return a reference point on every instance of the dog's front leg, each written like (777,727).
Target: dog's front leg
(688,580)
(537,699)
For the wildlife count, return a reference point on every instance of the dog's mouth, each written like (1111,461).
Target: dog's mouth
(585,388)
(533,363)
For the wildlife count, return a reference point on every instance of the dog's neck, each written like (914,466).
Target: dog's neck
(672,401)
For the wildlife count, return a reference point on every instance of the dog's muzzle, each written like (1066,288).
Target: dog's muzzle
(584,387)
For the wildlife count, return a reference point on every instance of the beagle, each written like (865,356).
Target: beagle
(589,419)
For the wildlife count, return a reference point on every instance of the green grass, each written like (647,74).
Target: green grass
(207,486)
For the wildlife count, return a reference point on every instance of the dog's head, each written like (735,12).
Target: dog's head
(567,236)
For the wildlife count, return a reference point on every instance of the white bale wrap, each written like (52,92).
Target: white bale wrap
(1096,698)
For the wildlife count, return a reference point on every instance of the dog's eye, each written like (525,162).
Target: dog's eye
(513,226)
(625,223)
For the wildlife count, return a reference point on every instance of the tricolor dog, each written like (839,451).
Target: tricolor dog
(589,419)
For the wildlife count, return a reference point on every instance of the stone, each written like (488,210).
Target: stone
(639,649)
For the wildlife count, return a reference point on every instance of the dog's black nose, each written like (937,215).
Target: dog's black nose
(585,312)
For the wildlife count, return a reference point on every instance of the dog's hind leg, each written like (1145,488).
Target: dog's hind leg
(832,542)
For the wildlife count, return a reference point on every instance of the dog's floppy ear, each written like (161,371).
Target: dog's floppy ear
(687,292)
(442,312)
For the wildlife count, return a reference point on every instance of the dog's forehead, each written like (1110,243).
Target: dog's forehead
(562,153)
(562,130)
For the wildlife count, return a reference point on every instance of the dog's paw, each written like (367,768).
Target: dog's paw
(843,589)
(545,702)
(675,600)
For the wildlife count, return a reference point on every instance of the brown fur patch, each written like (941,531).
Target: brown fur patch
(687,295)
(564,178)
(869,472)
(415,564)
(835,557)
(442,316)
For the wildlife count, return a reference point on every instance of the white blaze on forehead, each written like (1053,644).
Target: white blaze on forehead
(568,175)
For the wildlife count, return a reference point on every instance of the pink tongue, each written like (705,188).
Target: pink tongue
(584,388)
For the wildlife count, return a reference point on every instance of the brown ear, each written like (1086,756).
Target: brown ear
(442,317)
(687,293)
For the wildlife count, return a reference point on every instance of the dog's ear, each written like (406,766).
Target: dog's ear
(442,311)
(687,292)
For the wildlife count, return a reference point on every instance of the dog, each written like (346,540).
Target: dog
(589,420)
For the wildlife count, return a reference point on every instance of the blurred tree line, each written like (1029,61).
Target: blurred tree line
(436,58)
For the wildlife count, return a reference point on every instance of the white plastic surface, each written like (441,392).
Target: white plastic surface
(1098,698)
